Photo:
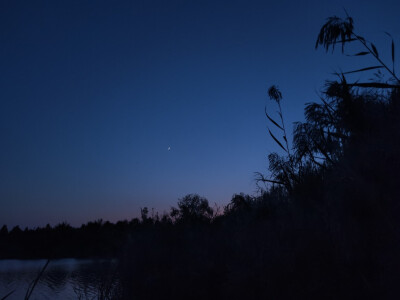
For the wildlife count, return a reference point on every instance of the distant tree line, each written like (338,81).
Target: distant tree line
(98,238)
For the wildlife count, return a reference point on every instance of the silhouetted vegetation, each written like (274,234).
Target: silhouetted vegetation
(90,240)
(326,226)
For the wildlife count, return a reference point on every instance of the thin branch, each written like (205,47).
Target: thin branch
(360,39)
(263,179)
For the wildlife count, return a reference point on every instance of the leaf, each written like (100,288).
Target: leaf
(375,50)
(392,51)
(392,48)
(275,123)
(388,34)
(6,296)
(364,69)
(375,85)
(276,140)
(359,54)
(342,41)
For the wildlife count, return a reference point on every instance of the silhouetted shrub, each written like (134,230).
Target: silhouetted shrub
(192,208)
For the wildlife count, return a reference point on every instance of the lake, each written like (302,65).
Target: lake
(62,279)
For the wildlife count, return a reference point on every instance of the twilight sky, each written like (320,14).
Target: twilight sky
(93,93)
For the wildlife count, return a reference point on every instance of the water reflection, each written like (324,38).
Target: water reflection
(63,279)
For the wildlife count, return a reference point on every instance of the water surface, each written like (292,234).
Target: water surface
(62,279)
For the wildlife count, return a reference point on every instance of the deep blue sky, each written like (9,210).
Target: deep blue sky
(94,92)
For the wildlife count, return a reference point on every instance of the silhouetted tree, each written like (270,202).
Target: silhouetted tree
(16,230)
(4,230)
(192,207)
(239,202)
(144,212)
